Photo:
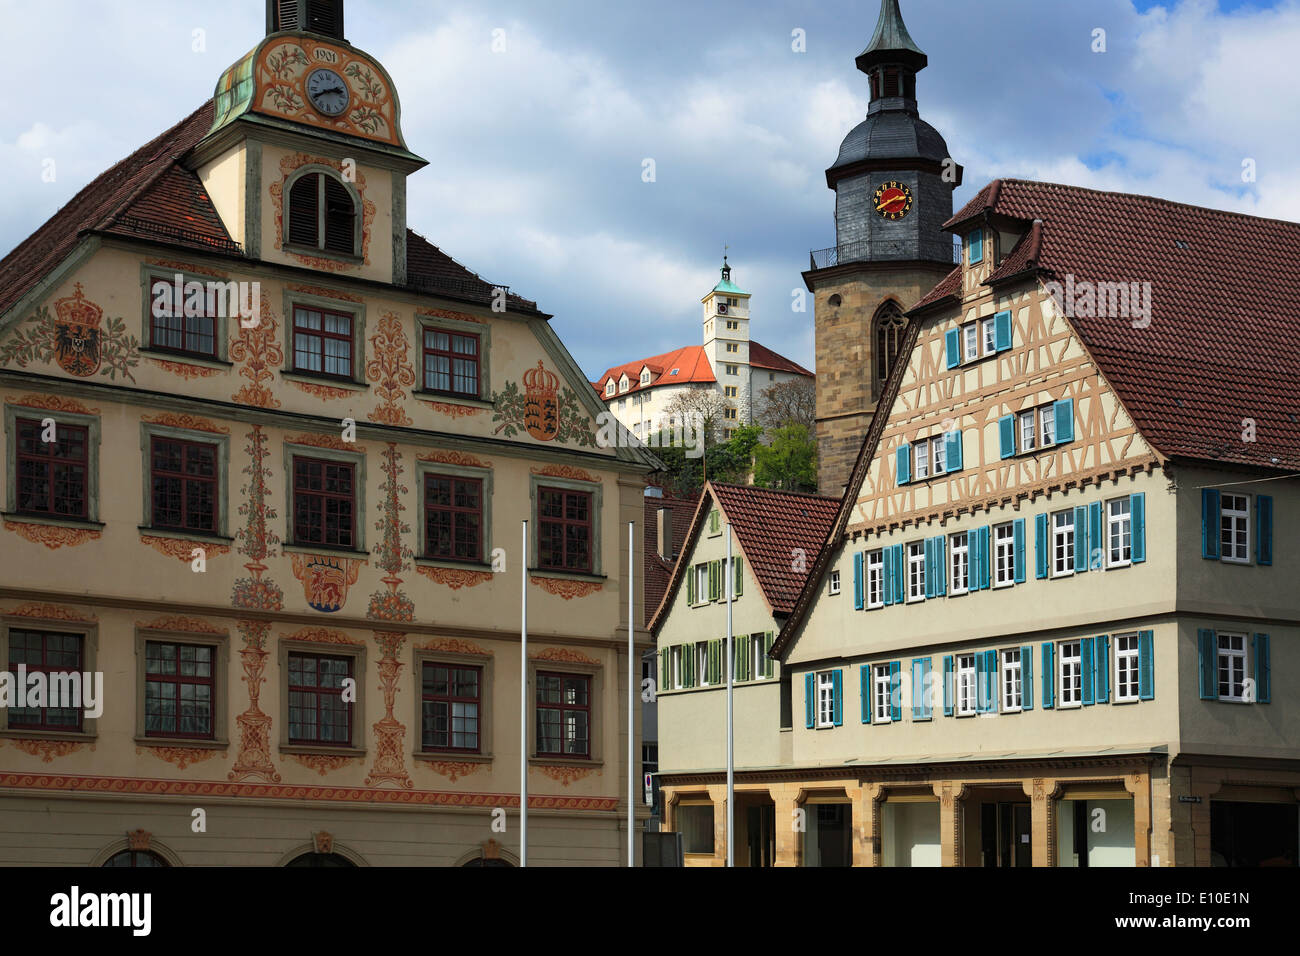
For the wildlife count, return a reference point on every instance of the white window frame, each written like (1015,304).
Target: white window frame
(1069,673)
(965,692)
(1046,426)
(825,699)
(1235,657)
(915,571)
(757,659)
(1119,532)
(835,582)
(1127,682)
(1063,543)
(881,694)
(1029,419)
(970,338)
(1011,685)
(702,663)
(610,389)
(678,684)
(959,565)
(921,454)
(1004,546)
(875,579)
(939,454)
(988,336)
(701,584)
(1232,521)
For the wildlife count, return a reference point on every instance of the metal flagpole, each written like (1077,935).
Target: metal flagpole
(631,692)
(523,701)
(730,664)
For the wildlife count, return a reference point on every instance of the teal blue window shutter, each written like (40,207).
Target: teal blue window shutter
(1263,529)
(991,676)
(926,690)
(904,456)
(940,566)
(1065,421)
(900,575)
(976,245)
(953,451)
(1088,668)
(952,342)
(1080,540)
(1049,675)
(864,689)
(918,695)
(859,590)
(1263,670)
(1018,534)
(1209,665)
(809,695)
(1096,536)
(1002,331)
(895,692)
(929,568)
(947,685)
(1102,657)
(887,577)
(1138,513)
(1146,666)
(981,685)
(1210,523)
(1007,435)
(1027,677)
(1042,544)
(837,697)
(982,539)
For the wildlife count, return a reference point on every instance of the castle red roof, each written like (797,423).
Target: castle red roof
(692,366)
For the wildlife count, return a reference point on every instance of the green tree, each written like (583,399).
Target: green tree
(789,463)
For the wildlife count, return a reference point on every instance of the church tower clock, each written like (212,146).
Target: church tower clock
(893,183)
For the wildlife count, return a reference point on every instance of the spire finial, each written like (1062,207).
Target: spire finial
(726,268)
(891,43)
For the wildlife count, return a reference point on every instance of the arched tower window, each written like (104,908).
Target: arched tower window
(322,215)
(135,858)
(890,325)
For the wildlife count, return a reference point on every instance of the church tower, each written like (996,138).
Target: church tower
(893,183)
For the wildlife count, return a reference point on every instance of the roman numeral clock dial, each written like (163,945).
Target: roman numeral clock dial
(328,92)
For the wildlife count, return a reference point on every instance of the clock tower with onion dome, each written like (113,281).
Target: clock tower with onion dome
(893,183)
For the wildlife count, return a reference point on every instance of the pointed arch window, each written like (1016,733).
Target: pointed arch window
(322,215)
(890,325)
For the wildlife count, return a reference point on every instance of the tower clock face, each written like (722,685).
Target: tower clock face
(327,92)
(893,200)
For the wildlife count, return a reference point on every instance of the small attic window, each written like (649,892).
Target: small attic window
(835,301)
(610,388)
(676,371)
(645,377)
(975,247)
(623,384)
(891,83)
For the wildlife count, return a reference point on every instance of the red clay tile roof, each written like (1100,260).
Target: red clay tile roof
(948,285)
(151,195)
(692,364)
(760,356)
(1223,343)
(658,572)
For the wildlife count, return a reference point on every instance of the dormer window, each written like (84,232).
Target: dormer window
(645,377)
(610,388)
(623,384)
(975,247)
(322,215)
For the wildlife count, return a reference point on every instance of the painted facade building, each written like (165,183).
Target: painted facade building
(641,394)
(288,534)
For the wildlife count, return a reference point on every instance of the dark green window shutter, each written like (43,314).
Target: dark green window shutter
(947,685)
(690,585)
(1007,435)
(837,698)
(859,584)
(739,657)
(719,661)
(1146,666)
(1209,664)
(1064,410)
(895,692)
(713,580)
(1138,513)
(738,586)
(952,344)
(1042,544)
(1263,671)
(715,521)
(1018,536)
(1101,655)
(809,701)
(1089,669)
(688,665)
(1263,529)
(904,463)
(1049,675)
(769,665)
(1080,540)
(1027,678)
(1002,331)
(1096,536)
(864,689)
(1210,523)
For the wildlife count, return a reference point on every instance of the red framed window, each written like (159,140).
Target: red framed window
(178,690)
(322,342)
(318,715)
(450,699)
(47,653)
(53,477)
(451,363)
(453,517)
(564,529)
(171,330)
(324,503)
(183,477)
(564,715)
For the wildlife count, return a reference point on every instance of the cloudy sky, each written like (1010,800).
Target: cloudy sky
(536,151)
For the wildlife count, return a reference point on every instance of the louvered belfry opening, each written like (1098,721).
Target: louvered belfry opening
(316,16)
(307,197)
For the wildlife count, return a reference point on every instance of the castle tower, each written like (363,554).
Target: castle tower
(893,183)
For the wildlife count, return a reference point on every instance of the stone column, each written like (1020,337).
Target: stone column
(949,794)
(1139,785)
(785,796)
(1042,841)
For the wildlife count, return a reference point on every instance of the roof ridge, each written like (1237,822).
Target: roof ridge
(775,491)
